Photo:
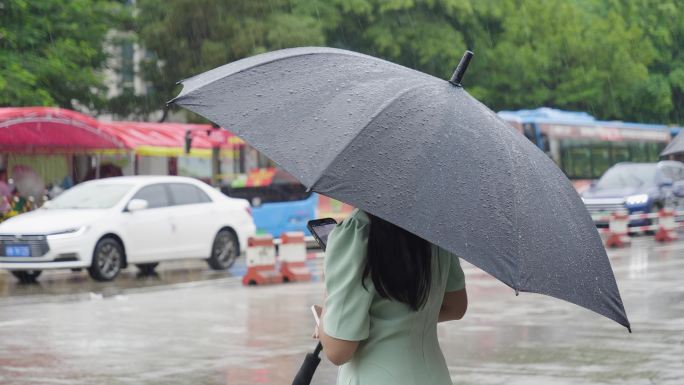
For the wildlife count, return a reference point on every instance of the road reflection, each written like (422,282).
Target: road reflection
(66,284)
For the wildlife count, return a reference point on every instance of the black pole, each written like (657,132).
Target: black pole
(215,159)
(461,69)
(165,113)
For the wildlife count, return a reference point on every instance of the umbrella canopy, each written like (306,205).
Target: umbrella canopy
(419,152)
(52,130)
(676,146)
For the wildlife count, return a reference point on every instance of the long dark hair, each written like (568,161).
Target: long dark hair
(398,263)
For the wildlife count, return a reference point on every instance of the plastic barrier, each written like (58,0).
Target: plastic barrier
(667,226)
(618,234)
(664,227)
(261,259)
(293,255)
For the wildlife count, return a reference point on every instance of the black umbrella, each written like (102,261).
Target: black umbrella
(675,147)
(422,153)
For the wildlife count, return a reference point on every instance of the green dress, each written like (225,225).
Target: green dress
(397,346)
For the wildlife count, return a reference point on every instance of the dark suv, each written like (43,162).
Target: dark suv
(636,188)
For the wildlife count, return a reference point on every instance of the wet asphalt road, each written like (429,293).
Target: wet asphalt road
(193,326)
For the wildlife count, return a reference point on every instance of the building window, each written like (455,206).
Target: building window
(584,159)
(127,65)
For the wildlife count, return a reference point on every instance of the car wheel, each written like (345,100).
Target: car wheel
(107,260)
(224,251)
(147,268)
(27,276)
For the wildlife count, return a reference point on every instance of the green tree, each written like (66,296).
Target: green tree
(51,52)
(662,23)
(187,37)
(429,35)
(617,59)
(561,54)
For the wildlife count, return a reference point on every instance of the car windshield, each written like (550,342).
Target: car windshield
(91,196)
(628,176)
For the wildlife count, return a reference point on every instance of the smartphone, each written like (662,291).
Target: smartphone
(320,229)
(315,310)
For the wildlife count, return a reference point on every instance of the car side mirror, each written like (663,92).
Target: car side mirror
(678,189)
(256,202)
(136,205)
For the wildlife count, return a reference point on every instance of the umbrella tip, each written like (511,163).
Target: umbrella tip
(461,68)
(629,329)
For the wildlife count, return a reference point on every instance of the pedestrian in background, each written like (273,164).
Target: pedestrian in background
(5,193)
(386,290)
(18,202)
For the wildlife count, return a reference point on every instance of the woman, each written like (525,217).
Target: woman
(386,291)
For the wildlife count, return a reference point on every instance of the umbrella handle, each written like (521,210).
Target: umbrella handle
(306,371)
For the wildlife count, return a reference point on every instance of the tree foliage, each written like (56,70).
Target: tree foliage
(617,59)
(51,52)
(188,37)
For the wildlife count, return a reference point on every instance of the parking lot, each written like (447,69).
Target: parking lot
(193,325)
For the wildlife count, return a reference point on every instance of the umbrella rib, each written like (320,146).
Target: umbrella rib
(210,79)
(517,229)
(546,198)
(382,109)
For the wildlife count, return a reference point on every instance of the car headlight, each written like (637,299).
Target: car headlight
(635,200)
(68,233)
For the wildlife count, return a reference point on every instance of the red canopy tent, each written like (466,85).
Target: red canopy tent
(30,134)
(53,130)
(168,139)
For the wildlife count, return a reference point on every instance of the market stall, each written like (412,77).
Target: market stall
(160,148)
(42,148)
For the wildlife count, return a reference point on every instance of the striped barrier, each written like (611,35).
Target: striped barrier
(311,242)
(292,255)
(261,260)
(617,233)
(618,230)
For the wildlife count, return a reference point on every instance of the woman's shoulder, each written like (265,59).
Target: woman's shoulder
(359,216)
(357,220)
(349,239)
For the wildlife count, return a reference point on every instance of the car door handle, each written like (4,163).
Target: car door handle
(172,223)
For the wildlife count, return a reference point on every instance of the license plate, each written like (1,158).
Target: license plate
(17,251)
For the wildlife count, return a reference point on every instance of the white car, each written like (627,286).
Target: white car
(107,224)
